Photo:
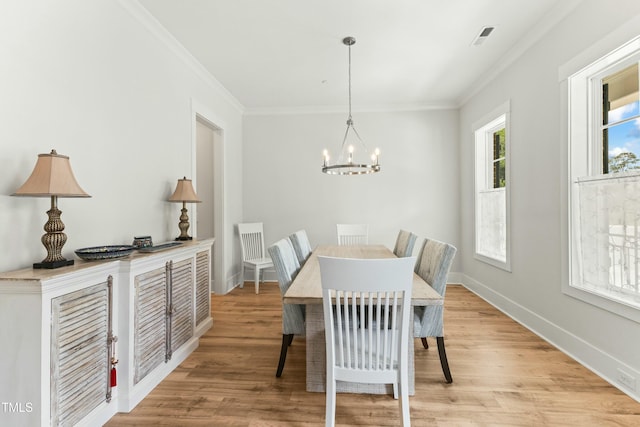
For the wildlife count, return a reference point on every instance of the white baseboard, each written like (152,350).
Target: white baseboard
(593,358)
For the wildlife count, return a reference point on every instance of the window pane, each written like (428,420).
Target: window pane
(609,231)
(623,143)
(498,144)
(499,173)
(620,95)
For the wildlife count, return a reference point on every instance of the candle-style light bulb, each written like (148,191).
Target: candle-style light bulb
(325,156)
(351,154)
(377,154)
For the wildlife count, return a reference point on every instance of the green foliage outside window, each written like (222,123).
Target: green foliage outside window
(499,164)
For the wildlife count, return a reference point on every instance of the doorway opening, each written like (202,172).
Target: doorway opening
(209,164)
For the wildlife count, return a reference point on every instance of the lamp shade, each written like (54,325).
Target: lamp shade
(52,176)
(184,192)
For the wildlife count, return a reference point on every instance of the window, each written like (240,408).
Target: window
(604,180)
(491,189)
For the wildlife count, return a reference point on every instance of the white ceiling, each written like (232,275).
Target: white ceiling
(278,55)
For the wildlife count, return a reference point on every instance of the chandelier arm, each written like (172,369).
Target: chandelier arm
(358,135)
(344,140)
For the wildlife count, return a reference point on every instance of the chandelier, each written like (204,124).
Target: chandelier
(354,158)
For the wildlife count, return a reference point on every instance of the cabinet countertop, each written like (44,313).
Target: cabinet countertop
(34,274)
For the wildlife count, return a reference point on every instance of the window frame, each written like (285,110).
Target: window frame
(483,155)
(585,159)
(595,107)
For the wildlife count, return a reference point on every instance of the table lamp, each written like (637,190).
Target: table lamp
(184,193)
(52,177)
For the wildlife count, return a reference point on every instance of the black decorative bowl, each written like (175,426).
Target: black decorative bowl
(104,252)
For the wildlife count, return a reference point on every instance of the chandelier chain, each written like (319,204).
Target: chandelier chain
(350,120)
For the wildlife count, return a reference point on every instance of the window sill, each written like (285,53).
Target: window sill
(503,265)
(601,301)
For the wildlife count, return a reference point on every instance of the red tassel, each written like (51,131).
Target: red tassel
(113,377)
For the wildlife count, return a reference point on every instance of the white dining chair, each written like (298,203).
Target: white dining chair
(404,244)
(367,330)
(301,245)
(253,252)
(352,234)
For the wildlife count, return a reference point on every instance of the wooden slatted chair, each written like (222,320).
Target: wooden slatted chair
(367,332)
(253,252)
(352,234)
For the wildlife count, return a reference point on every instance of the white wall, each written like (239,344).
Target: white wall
(417,188)
(95,81)
(532,293)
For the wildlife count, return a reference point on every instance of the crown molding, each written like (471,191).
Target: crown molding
(142,15)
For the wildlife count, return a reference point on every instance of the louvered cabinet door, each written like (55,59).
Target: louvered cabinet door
(79,353)
(203,293)
(150,312)
(181,303)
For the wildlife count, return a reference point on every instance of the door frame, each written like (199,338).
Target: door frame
(200,112)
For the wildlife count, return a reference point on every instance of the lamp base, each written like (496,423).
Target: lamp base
(53,264)
(184,238)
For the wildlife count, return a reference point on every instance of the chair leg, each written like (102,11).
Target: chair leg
(425,344)
(286,342)
(443,360)
(330,411)
(257,280)
(403,387)
(404,400)
(242,278)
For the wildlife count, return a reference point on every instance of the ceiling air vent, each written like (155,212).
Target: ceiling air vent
(480,38)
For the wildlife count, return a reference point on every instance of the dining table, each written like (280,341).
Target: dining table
(306,289)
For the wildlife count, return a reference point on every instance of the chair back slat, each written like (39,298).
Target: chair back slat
(367,329)
(251,241)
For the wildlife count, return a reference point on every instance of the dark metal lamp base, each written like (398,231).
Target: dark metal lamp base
(53,264)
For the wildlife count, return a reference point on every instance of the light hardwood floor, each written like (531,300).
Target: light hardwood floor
(502,375)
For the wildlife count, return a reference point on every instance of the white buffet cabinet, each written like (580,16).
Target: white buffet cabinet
(56,327)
